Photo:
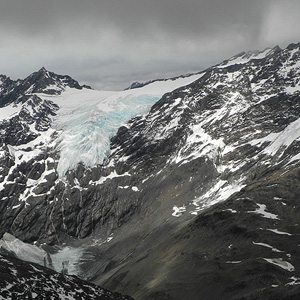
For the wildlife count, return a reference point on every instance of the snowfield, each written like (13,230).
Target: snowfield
(87,119)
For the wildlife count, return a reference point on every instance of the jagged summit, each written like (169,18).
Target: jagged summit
(134,85)
(44,81)
(41,81)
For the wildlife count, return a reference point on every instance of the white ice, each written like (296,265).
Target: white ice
(267,246)
(23,250)
(281,263)
(261,210)
(87,119)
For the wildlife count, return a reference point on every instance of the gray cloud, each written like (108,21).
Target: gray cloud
(109,43)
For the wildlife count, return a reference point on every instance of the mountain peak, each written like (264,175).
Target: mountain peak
(44,81)
(134,85)
(42,71)
(41,81)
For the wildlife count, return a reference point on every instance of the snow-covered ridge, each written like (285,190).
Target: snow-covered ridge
(245,57)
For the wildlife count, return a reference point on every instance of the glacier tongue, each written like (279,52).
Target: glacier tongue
(87,119)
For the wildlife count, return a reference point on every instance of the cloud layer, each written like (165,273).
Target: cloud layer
(110,43)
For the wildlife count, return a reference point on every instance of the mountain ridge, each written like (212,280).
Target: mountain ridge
(37,82)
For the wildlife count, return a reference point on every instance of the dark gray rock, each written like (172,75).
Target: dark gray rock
(23,280)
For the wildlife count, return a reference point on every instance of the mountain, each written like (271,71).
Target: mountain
(186,188)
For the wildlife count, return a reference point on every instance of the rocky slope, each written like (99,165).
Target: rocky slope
(22,280)
(231,135)
(197,199)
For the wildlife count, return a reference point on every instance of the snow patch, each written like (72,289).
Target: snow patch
(267,246)
(279,262)
(280,232)
(261,210)
(231,210)
(16,206)
(9,111)
(112,175)
(295,281)
(281,140)
(199,144)
(221,191)
(178,211)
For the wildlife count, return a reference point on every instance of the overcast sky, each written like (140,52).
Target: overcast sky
(110,43)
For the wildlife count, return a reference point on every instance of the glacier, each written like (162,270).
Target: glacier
(87,119)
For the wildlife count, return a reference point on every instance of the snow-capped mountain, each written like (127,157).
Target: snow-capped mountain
(174,189)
